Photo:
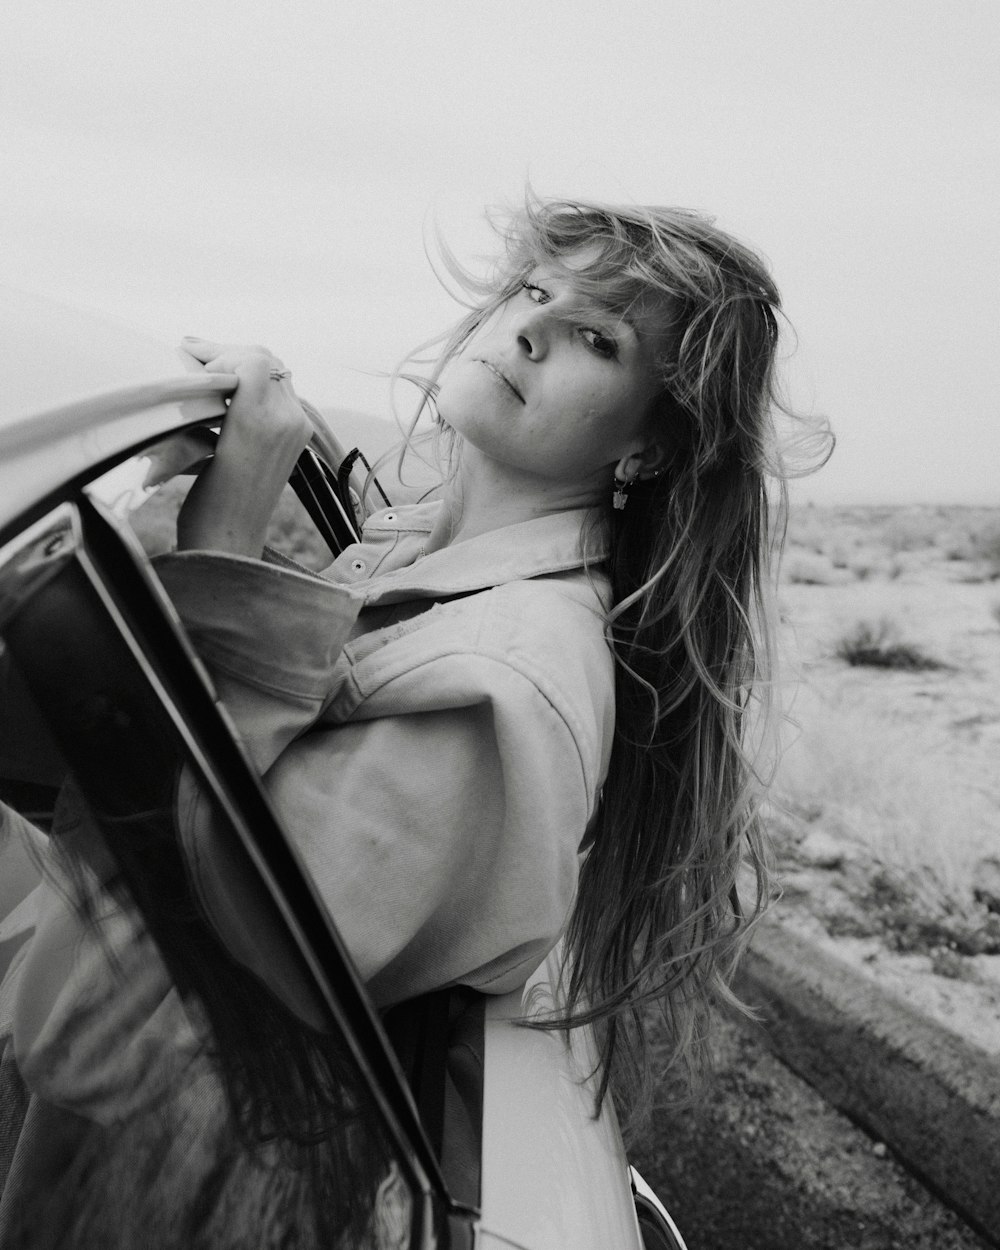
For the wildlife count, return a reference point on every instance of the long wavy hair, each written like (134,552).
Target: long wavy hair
(676,872)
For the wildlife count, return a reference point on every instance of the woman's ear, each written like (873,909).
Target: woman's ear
(647,461)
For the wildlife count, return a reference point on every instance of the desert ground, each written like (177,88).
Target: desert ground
(886,803)
(885,813)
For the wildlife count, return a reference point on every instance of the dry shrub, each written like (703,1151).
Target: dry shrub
(807,568)
(878,645)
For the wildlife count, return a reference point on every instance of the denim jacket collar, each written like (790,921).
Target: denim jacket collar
(387,565)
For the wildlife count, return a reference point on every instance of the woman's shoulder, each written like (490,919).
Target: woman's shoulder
(564,610)
(545,632)
(576,590)
(558,613)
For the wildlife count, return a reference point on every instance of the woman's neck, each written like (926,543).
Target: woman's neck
(484,495)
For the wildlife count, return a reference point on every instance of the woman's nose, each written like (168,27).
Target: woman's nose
(531,332)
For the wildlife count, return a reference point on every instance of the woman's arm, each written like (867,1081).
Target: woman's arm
(442,833)
(265,431)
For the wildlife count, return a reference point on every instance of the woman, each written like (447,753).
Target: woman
(524,709)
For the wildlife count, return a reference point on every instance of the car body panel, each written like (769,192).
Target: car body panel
(553,1175)
(76,391)
(54,356)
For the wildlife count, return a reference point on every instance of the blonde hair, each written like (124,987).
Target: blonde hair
(659,916)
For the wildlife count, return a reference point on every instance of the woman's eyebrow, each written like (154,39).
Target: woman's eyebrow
(604,308)
(546,277)
(618,315)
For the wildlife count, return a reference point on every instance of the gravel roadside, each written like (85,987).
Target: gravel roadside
(763,1163)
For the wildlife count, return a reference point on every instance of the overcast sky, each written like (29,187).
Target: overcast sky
(268,173)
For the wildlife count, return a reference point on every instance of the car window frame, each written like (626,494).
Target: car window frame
(85,529)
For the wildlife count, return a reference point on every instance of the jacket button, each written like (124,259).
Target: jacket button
(358,566)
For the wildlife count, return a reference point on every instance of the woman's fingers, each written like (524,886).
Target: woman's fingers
(263,409)
(264,404)
(263,433)
(200,349)
(231,357)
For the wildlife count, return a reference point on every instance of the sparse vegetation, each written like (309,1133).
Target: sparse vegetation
(913,530)
(806,568)
(903,797)
(904,537)
(878,645)
(903,917)
(869,898)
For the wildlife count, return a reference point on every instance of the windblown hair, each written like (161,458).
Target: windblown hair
(676,873)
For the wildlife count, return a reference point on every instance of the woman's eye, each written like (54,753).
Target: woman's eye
(536,293)
(603,344)
(600,343)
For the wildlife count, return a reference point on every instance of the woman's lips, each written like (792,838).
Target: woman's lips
(499,373)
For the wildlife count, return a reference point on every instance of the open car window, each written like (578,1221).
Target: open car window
(149,489)
(155,1091)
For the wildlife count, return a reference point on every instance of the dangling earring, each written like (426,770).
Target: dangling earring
(619,496)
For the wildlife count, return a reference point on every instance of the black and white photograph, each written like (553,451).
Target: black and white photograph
(500,625)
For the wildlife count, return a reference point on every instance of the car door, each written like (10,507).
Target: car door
(154,1091)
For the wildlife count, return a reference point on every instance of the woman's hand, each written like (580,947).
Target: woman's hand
(263,434)
(264,410)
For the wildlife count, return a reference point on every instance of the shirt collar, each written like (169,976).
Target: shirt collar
(548,544)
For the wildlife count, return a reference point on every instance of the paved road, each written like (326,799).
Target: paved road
(765,1164)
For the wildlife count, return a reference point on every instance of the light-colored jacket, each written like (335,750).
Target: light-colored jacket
(434,732)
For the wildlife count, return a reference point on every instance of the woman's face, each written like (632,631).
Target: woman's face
(553,384)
